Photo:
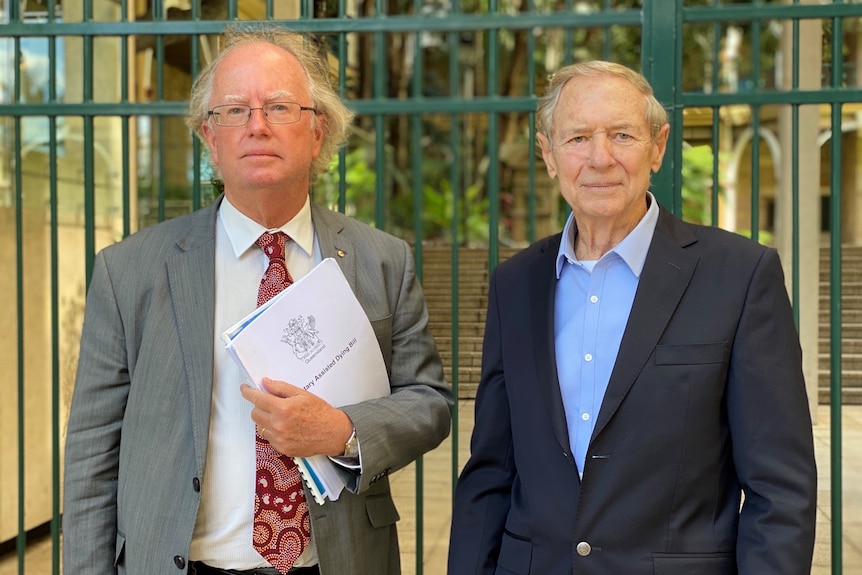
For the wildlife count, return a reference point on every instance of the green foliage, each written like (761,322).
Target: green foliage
(697,184)
(360,188)
(437,208)
(438,211)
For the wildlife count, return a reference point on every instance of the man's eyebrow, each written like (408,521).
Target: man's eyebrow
(279,95)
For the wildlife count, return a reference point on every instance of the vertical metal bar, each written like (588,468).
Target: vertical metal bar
(380,60)
(755,126)
(55,312)
(607,33)
(755,172)
(55,348)
(531,120)
(794,178)
(417,185)
(197,195)
(89,142)
(568,36)
(716,155)
(835,362)
(457,189)
(660,38)
(716,124)
(342,91)
(125,124)
(21,539)
(493,143)
(158,14)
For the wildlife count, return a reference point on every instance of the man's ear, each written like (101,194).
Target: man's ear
(210,139)
(547,155)
(659,147)
(319,129)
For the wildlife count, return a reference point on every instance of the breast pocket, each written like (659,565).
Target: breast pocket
(692,354)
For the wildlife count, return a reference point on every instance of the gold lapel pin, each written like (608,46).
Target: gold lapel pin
(340,253)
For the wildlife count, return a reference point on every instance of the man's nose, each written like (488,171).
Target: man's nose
(601,149)
(256,121)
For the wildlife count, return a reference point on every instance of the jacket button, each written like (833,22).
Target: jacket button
(196,484)
(583,548)
(180,562)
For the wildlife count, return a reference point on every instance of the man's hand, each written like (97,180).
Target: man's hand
(295,422)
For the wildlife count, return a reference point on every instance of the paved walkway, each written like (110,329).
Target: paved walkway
(438,472)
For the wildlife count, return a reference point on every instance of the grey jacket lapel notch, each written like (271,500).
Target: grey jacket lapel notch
(335,243)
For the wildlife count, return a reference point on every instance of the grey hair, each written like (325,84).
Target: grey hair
(336,116)
(656,116)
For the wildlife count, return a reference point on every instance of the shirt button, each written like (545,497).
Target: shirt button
(585,416)
(594,298)
(588,357)
(583,548)
(180,562)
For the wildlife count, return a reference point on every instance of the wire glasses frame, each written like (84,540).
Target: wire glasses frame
(275,113)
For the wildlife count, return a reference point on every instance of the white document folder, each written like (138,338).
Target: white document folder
(314,335)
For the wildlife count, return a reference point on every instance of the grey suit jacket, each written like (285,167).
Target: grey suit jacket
(140,416)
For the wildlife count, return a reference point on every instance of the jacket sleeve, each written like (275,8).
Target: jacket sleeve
(90,540)
(394,431)
(484,489)
(770,429)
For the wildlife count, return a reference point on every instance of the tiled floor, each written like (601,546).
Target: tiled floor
(439,470)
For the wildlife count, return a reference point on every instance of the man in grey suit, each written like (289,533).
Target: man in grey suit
(160,455)
(640,374)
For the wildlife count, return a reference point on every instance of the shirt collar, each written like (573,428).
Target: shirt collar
(632,250)
(243,232)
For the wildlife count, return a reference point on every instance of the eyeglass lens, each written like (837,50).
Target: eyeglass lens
(274,112)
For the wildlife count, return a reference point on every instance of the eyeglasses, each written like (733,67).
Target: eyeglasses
(274,112)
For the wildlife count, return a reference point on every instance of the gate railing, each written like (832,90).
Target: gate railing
(92,94)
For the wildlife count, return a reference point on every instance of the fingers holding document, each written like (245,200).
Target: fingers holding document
(297,422)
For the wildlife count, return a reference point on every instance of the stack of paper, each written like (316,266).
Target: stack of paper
(313,335)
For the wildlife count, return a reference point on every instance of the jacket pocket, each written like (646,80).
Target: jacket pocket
(691,354)
(516,554)
(694,564)
(383,331)
(119,551)
(381,510)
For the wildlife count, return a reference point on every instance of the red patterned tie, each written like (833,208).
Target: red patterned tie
(282,528)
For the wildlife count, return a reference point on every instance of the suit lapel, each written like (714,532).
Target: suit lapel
(666,274)
(191,276)
(542,284)
(334,243)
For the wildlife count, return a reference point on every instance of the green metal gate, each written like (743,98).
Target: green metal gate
(763,98)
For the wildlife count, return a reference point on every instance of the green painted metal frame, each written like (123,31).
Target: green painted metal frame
(661,22)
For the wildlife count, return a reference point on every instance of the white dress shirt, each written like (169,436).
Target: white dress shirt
(223,532)
(592,303)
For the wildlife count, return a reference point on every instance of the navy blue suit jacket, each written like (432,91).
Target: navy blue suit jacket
(706,401)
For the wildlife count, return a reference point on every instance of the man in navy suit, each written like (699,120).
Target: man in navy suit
(642,409)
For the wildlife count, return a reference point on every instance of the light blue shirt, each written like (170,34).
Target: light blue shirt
(592,303)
